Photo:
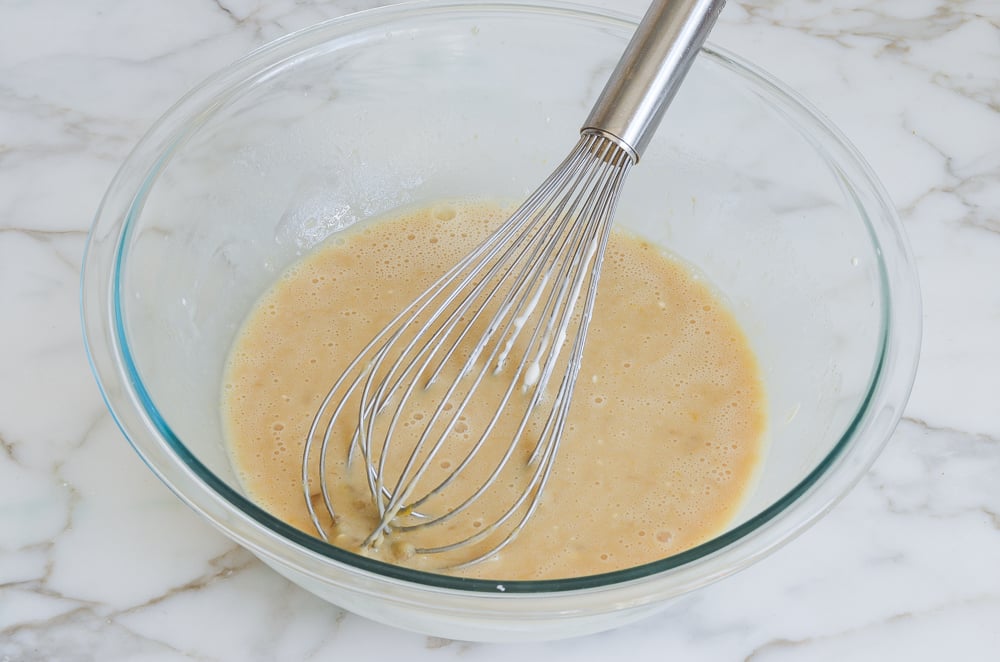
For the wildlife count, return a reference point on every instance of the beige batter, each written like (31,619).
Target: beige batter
(665,428)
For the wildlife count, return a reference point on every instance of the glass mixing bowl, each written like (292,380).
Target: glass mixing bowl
(415,103)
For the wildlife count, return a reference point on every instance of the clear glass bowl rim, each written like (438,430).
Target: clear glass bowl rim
(166,455)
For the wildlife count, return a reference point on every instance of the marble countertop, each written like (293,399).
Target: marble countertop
(99,561)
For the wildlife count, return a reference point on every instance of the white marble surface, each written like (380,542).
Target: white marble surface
(98,561)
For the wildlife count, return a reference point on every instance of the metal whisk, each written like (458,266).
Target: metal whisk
(493,330)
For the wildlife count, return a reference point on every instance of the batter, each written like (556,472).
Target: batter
(664,433)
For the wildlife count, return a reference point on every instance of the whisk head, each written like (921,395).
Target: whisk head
(454,412)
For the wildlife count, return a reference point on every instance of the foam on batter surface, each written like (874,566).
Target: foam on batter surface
(664,433)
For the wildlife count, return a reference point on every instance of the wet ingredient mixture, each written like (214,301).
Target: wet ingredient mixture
(664,433)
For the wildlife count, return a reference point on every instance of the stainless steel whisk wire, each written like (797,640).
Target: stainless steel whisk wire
(549,252)
(561,302)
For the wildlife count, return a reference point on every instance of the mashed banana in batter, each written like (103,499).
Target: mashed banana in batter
(663,436)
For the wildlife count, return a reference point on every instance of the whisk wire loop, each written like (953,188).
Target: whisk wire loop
(514,311)
(537,266)
(355,372)
(538,244)
(546,449)
(410,475)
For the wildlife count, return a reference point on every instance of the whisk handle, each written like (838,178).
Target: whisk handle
(651,70)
